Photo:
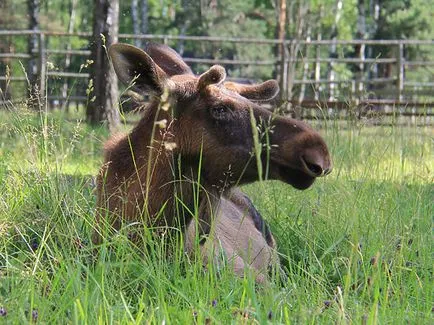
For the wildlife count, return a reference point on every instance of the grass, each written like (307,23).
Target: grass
(356,247)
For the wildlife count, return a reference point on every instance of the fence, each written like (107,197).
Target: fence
(333,74)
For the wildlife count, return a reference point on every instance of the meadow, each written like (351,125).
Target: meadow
(355,248)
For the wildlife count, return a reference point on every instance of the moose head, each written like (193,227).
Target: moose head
(213,118)
(206,123)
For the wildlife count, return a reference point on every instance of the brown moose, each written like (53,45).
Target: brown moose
(195,142)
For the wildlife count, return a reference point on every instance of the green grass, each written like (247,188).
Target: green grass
(356,247)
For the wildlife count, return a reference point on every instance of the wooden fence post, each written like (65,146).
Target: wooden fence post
(400,68)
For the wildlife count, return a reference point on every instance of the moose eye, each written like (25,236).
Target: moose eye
(220,112)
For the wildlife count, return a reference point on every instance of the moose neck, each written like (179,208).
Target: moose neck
(172,180)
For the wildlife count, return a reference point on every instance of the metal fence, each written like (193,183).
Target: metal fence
(309,77)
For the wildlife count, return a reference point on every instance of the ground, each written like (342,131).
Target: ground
(356,247)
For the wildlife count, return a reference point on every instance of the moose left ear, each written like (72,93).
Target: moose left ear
(214,76)
(261,92)
(136,68)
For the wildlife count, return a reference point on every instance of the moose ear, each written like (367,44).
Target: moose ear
(214,76)
(261,92)
(167,59)
(134,67)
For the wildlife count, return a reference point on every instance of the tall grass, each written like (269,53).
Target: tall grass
(356,247)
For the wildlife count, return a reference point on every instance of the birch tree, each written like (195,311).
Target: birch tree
(144,26)
(135,21)
(360,48)
(72,16)
(333,48)
(140,19)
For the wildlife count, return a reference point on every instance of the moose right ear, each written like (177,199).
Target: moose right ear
(136,68)
(214,76)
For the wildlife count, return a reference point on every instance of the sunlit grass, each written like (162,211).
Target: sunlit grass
(355,247)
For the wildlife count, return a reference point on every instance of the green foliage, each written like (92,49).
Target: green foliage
(407,19)
(354,247)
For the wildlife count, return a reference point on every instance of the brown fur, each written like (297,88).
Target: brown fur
(197,130)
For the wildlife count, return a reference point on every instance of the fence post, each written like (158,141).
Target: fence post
(400,66)
(42,64)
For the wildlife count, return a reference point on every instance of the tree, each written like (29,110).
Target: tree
(34,89)
(190,21)
(333,49)
(135,21)
(140,23)
(72,17)
(403,20)
(280,35)
(103,87)
(5,46)
(144,15)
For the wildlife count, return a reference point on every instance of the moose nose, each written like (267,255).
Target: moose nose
(316,167)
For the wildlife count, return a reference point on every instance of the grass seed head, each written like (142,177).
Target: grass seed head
(170,146)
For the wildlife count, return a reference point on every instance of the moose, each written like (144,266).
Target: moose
(181,165)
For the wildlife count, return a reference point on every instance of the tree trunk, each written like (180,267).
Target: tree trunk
(103,98)
(65,88)
(189,21)
(6,47)
(360,48)
(144,26)
(374,11)
(317,86)
(305,67)
(135,21)
(333,49)
(34,93)
(299,33)
(280,49)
